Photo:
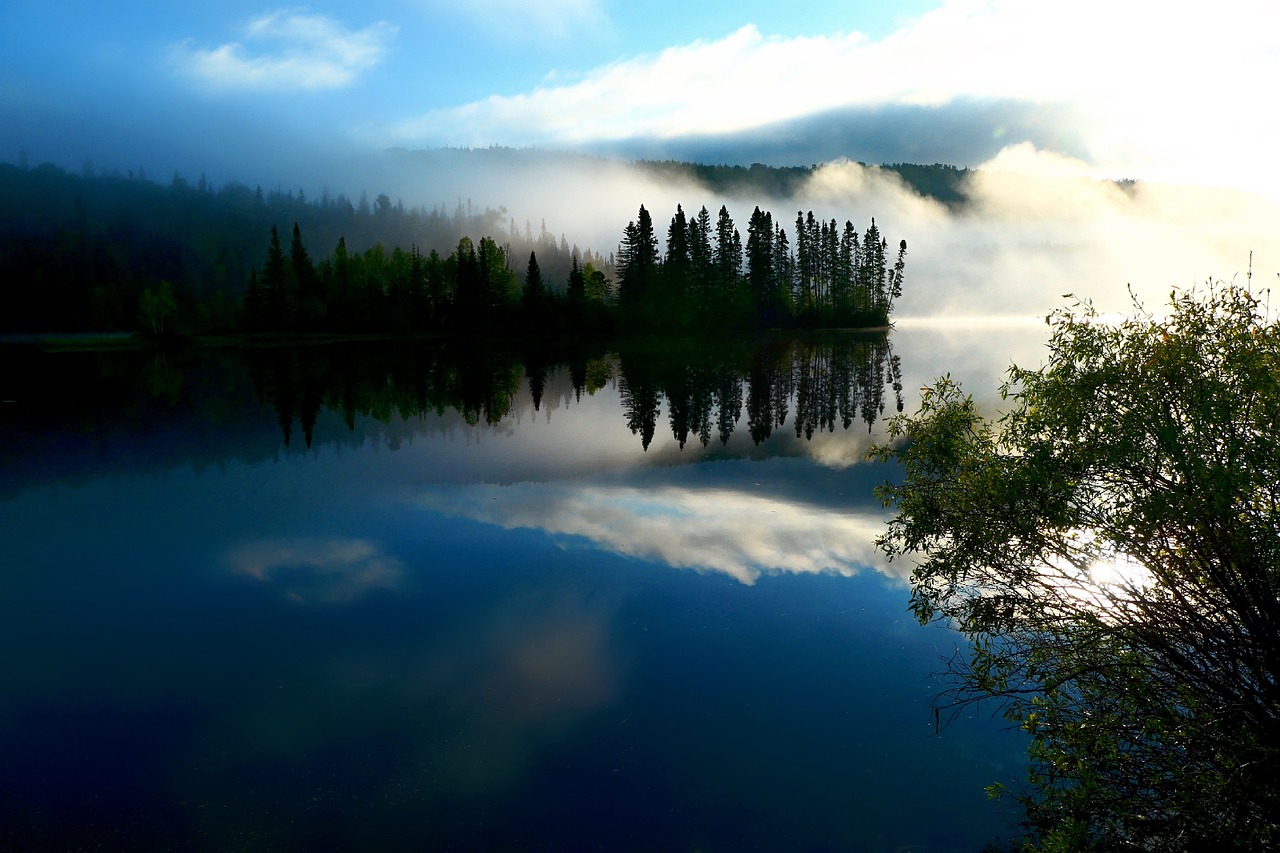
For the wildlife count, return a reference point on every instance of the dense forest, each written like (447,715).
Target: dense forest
(706,279)
(120,252)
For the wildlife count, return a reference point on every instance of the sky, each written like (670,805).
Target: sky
(1131,89)
(1174,95)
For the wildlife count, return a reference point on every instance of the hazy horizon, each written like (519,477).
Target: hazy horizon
(1047,101)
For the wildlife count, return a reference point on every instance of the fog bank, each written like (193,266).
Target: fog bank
(1036,226)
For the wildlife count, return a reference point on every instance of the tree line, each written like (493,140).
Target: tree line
(78,250)
(113,252)
(709,277)
(706,279)
(815,384)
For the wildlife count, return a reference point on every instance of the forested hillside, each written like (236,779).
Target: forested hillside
(119,251)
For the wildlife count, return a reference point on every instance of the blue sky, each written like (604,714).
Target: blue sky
(245,87)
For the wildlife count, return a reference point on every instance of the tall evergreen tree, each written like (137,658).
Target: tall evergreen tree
(533,295)
(638,266)
(676,267)
(842,299)
(277,287)
(310,299)
(467,297)
(760,271)
(804,266)
(728,258)
(702,272)
(575,293)
(783,273)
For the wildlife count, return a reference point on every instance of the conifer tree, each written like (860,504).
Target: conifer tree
(534,292)
(676,266)
(575,292)
(637,267)
(728,257)
(310,300)
(277,287)
(804,266)
(701,272)
(760,271)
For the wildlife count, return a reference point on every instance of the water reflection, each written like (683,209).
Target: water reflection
(703,386)
(328,570)
(726,527)
(240,622)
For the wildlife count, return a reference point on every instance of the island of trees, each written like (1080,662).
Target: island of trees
(706,278)
(92,252)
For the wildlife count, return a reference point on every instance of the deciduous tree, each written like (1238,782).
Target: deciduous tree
(1111,549)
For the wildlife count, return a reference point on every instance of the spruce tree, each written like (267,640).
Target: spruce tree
(638,266)
(576,292)
(534,292)
(728,258)
(701,272)
(310,300)
(760,271)
(277,287)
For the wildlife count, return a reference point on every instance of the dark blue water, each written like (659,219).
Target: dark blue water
(427,634)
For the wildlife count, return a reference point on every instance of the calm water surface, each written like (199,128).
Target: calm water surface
(310,601)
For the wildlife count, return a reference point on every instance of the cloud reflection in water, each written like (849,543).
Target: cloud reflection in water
(726,530)
(319,570)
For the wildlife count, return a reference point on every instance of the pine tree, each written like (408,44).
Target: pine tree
(534,292)
(728,259)
(701,273)
(783,273)
(310,300)
(676,267)
(760,271)
(804,266)
(842,299)
(638,266)
(277,287)
(576,293)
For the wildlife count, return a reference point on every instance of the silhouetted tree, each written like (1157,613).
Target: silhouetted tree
(278,286)
(637,268)
(575,294)
(534,293)
(311,307)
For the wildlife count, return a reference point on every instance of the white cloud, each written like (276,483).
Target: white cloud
(1036,229)
(701,87)
(1167,93)
(297,51)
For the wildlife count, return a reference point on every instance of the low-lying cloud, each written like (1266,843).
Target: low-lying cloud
(1036,225)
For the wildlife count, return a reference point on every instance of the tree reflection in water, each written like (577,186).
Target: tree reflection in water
(816,382)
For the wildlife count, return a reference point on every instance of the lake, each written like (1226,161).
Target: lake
(383,597)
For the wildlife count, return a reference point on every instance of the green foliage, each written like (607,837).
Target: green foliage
(833,279)
(155,306)
(1111,548)
(87,246)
